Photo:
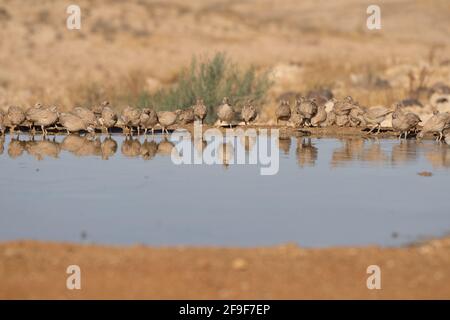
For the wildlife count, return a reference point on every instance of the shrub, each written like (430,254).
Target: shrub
(211,80)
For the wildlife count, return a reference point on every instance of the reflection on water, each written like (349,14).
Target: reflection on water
(348,152)
(327,192)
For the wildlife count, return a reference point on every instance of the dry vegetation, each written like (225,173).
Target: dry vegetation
(126,48)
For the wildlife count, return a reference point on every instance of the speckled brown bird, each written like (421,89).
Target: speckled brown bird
(2,126)
(225,112)
(86,115)
(320,117)
(248,112)
(15,117)
(148,120)
(331,119)
(375,116)
(166,119)
(307,109)
(283,111)
(342,120)
(436,124)
(200,110)
(186,116)
(43,117)
(131,118)
(343,108)
(107,119)
(73,123)
(404,122)
(356,116)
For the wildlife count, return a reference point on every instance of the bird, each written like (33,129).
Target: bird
(86,115)
(404,122)
(343,108)
(248,112)
(200,110)
(166,119)
(131,117)
(42,117)
(29,113)
(307,109)
(320,117)
(356,116)
(14,117)
(283,111)
(331,119)
(436,124)
(186,116)
(296,119)
(73,123)
(447,138)
(342,120)
(2,126)
(375,116)
(225,112)
(108,118)
(97,110)
(148,120)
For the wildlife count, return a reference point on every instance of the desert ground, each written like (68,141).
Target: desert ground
(126,48)
(37,270)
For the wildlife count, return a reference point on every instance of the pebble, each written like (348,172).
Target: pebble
(239,264)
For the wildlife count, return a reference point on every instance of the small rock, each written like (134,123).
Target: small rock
(425,174)
(239,264)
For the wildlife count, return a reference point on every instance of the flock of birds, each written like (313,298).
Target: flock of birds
(348,113)
(304,113)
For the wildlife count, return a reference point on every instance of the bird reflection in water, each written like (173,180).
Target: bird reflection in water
(306,152)
(351,150)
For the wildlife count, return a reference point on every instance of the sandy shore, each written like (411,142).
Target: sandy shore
(35,270)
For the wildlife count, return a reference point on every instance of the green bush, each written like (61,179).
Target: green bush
(211,80)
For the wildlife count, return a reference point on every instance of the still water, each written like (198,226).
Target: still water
(326,192)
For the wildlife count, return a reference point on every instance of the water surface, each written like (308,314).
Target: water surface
(327,192)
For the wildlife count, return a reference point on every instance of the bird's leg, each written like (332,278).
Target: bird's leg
(371,130)
(68,132)
(153,131)
(379,128)
(440,136)
(145,132)
(138,130)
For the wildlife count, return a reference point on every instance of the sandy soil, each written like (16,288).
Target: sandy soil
(34,270)
(135,45)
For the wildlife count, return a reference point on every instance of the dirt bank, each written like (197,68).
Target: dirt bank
(31,269)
